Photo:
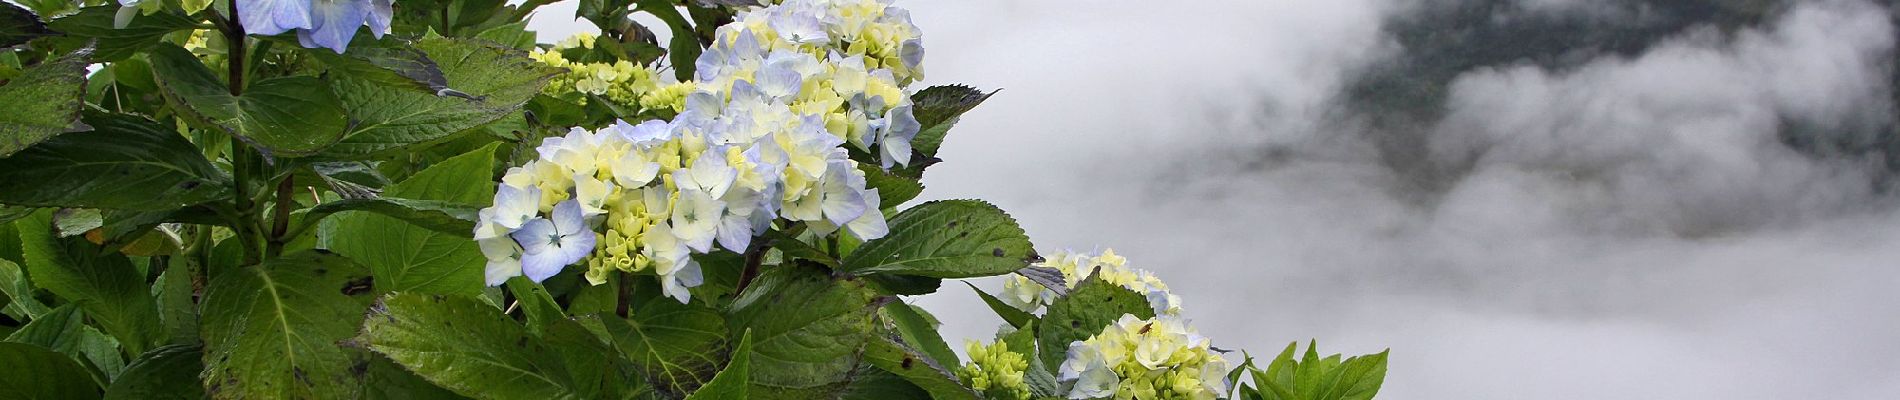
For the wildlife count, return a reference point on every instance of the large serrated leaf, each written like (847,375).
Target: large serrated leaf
(731,382)
(1093,305)
(1014,316)
(946,239)
(42,102)
(51,376)
(285,116)
(920,333)
(105,285)
(414,258)
(165,373)
(806,327)
(676,347)
(466,346)
(390,119)
(683,47)
(892,189)
(19,292)
(937,109)
(902,360)
(126,162)
(391,60)
(272,330)
(118,43)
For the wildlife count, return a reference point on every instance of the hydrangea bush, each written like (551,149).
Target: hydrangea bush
(337,199)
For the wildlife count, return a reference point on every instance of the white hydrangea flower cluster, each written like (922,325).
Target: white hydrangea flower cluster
(798,53)
(873,31)
(1157,358)
(758,140)
(1027,295)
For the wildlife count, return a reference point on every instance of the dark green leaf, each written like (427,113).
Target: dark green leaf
(165,373)
(413,258)
(384,380)
(906,285)
(52,376)
(441,216)
(731,382)
(937,109)
(390,61)
(117,44)
(683,47)
(390,119)
(173,292)
(42,102)
(872,383)
(19,292)
(806,326)
(514,35)
(535,303)
(105,285)
(581,345)
(467,347)
(676,347)
(126,162)
(1014,316)
(271,331)
(892,190)
(286,116)
(920,333)
(64,330)
(946,239)
(18,26)
(897,358)
(1093,305)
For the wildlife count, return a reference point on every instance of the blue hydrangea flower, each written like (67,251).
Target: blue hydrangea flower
(319,23)
(550,244)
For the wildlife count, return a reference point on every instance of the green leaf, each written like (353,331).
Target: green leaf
(43,101)
(683,47)
(892,190)
(118,43)
(1091,306)
(64,330)
(173,292)
(18,26)
(872,383)
(582,346)
(920,333)
(285,116)
(807,327)
(467,347)
(946,239)
(271,331)
(535,303)
(900,359)
(731,382)
(937,109)
(1014,316)
(165,373)
(105,285)
(52,376)
(514,35)
(674,346)
(391,119)
(391,61)
(126,162)
(1039,377)
(441,216)
(19,292)
(413,258)
(1359,378)
(384,380)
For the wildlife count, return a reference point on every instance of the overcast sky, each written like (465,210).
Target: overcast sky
(1630,226)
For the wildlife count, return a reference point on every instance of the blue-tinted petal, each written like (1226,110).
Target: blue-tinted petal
(380,13)
(535,237)
(270,17)
(333,23)
(568,219)
(539,267)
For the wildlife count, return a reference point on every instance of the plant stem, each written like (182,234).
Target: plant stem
(280,224)
(754,255)
(241,163)
(623,303)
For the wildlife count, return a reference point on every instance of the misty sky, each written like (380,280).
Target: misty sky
(1702,212)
